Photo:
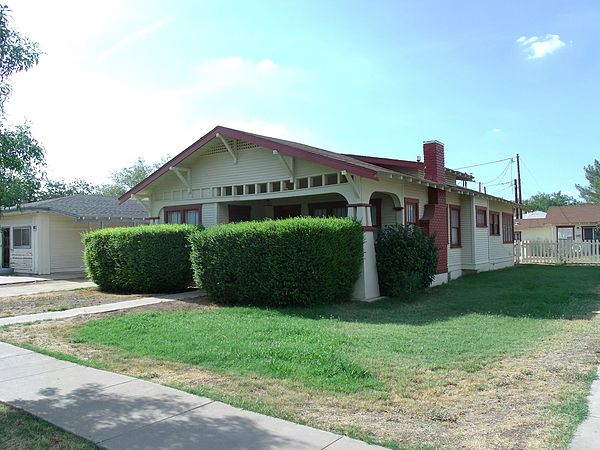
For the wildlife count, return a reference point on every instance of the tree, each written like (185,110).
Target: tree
(126,178)
(62,188)
(542,201)
(591,193)
(22,158)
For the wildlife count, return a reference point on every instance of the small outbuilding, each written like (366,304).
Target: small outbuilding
(45,237)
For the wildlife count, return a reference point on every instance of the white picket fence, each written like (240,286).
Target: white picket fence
(561,252)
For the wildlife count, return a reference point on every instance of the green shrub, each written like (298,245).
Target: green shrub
(298,261)
(406,260)
(153,258)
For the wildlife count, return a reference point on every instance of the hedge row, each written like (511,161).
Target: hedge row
(153,258)
(299,261)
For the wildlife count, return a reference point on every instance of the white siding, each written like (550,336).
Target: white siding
(482,235)
(499,251)
(66,249)
(545,233)
(418,191)
(467,230)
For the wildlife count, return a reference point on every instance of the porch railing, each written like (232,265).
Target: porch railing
(561,252)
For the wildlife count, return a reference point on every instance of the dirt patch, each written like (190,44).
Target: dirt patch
(58,301)
(504,405)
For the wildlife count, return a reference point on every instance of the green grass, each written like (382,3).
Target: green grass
(462,326)
(22,431)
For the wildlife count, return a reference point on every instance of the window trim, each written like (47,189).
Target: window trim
(182,209)
(329,206)
(493,231)
(411,201)
(479,209)
(450,209)
(572,227)
(13,235)
(505,216)
(589,227)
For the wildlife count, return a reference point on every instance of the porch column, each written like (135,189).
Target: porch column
(367,286)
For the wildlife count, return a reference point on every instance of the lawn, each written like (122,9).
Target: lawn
(21,431)
(499,359)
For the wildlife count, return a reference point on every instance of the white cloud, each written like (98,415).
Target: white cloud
(137,35)
(537,47)
(496,130)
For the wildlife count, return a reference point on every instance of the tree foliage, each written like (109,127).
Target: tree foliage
(542,201)
(591,192)
(63,188)
(22,158)
(126,178)
(17,53)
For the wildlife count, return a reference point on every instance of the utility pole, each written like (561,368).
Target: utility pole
(520,201)
(516,196)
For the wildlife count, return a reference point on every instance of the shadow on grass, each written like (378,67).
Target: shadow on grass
(539,292)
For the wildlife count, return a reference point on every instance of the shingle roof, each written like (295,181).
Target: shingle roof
(573,214)
(88,207)
(522,224)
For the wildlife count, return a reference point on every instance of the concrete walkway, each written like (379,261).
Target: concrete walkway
(587,436)
(107,307)
(120,412)
(42,287)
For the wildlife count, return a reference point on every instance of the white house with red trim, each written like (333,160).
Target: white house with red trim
(230,175)
(577,223)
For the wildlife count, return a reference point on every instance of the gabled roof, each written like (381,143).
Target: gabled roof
(289,148)
(88,208)
(522,224)
(364,166)
(573,214)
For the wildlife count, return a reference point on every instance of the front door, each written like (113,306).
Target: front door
(239,213)
(286,211)
(5,241)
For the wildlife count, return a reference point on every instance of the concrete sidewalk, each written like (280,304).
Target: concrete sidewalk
(42,287)
(107,307)
(120,412)
(587,436)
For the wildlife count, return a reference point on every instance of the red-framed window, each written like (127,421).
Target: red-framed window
(480,217)
(376,212)
(507,228)
(328,209)
(454,212)
(191,214)
(494,223)
(411,211)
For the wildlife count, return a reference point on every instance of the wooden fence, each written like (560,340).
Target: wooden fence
(561,252)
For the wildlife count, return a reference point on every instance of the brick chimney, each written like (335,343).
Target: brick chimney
(433,156)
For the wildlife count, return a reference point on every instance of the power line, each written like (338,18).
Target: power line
(485,163)
(501,174)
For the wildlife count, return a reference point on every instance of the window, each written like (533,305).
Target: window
(21,237)
(507,228)
(481,217)
(565,233)
(454,226)
(191,214)
(333,209)
(411,211)
(376,212)
(591,233)
(494,223)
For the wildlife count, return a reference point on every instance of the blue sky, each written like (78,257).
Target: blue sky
(122,79)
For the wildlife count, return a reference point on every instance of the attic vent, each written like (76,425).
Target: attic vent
(245,145)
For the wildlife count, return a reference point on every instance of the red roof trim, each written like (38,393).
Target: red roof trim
(253,139)
(388,161)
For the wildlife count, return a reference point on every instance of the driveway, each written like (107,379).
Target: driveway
(40,286)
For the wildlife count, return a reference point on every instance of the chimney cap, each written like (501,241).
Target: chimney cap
(434,141)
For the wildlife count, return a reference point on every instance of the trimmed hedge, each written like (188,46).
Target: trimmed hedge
(298,261)
(406,260)
(148,258)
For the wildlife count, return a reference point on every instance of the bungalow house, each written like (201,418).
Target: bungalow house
(45,237)
(230,175)
(576,223)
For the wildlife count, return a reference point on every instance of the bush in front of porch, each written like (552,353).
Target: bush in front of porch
(144,259)
(298,261)
(406,260)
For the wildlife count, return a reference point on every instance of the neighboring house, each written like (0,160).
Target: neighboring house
(45,237)
(562,223)
(230,175)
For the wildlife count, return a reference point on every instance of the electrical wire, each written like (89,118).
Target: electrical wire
(502,174)
(484,164)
